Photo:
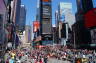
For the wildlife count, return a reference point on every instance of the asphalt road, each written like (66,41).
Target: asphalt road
(50,60)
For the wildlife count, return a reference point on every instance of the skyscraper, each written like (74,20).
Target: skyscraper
(22,18)
(16,12)
(3,11)
(28,33)
(56,18)
(84,5)
(80,32)
(45,16)
(63,9)
(46,20)
(67,19)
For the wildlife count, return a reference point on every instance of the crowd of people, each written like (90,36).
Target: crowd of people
(42,54)
(73,55)
(25,56)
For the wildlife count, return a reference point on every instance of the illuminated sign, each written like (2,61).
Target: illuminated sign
(46,11)
(46,0)
(36,26)
(90,18)
(46,3)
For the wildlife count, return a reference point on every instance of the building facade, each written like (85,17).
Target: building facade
(22,18)
(64,8)
(3,20)
(4,17)
(46,21)
(67,19)
(81,35)
(28,33)
(84,5)
(80,32)
(15,14)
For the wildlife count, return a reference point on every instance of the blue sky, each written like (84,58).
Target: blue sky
(31,6)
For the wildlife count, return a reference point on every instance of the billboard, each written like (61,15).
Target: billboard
(36,26)
(90,18)
(46,0)
(46,11)
(46,27)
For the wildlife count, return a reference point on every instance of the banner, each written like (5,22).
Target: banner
(36,26)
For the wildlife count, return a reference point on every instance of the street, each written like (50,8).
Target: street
(50,55)
(50,60)
(47,31)
(57,61)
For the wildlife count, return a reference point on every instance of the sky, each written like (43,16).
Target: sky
(31,10)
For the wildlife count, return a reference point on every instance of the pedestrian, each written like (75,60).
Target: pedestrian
(11,60)
(45,59)
(6,57)
(36,61)
(40,61)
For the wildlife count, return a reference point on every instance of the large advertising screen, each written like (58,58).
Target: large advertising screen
(36,26)
(46,0)
(90,18)
(46,27)
(46,8)
(46,11)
